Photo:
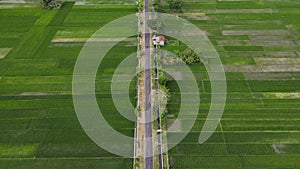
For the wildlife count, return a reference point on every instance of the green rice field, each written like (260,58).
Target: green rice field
(258,42)
(38,123)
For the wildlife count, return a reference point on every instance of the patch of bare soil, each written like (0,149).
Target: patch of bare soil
(247,11)
(268,38)
(64,44)
(244,68)
(85,39)
(202,18)
(8,6)
(34,94)
(12,1)
(177,75)
(297,42)
(282,95)
(64,32)
(256,32)
(280,54)
(277,61)
(199,14)
(4,52)
(269,76)
(174,125)
(278,148)
(281,68)
(283,43)
(233,42)
(141,101)
(274,54)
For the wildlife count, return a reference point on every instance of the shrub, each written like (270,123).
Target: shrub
(51,4)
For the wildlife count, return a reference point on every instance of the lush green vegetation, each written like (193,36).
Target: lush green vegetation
(50,4)
(38,124)
(257,40)
(260,125)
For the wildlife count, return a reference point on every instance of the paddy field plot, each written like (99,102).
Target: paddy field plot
(257,44)
(38,123)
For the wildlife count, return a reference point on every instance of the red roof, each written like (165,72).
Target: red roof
(162,38)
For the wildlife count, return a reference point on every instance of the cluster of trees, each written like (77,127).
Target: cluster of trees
(175,5)
(189,56)
(168,5)
(140,5)
(51,4)
(156,25)
(161,99)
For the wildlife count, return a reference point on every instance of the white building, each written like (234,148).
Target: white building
(159,40)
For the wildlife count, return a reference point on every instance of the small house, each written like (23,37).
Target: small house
(159,40)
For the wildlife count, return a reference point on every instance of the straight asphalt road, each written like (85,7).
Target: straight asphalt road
(148,86)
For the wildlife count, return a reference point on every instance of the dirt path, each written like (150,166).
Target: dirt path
(141,101)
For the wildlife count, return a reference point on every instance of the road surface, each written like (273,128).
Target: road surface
(148,86)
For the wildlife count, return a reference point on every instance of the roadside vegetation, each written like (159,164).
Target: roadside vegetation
(51,4)
(166,6)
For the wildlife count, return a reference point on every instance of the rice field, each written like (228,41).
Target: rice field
(257,43)
(38,123)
